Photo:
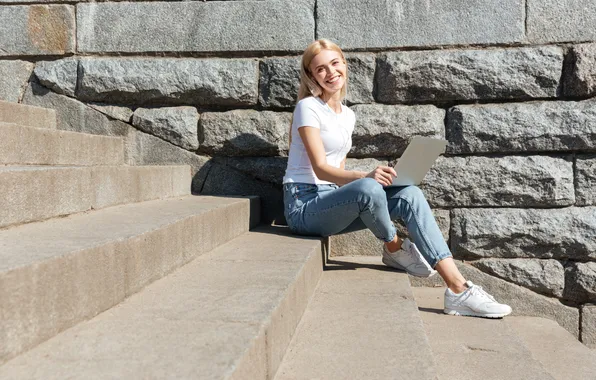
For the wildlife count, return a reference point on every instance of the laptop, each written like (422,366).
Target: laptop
(417,160)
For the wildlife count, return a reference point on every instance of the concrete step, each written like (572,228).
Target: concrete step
(229,314)
(362,323)
(27,115)
(41,146)
(34,193)
(60,272)
(475,348)
(560,354)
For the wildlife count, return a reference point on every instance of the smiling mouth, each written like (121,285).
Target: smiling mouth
(334,79)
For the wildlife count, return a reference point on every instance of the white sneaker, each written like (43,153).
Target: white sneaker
(408,258)
(475,302)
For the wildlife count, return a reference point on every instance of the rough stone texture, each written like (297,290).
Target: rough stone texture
(279,83)
(581,77)
(356,243)
(568,233)
(580,282)
(266,169)
(244,133)
(560,21)
(383,130)
(585,176)
(178,125)
(13,79)
(195,26)
(542,276)
(448,75)
(523,301)
(361,76)
(386,24)
(522,127)
(144,149)
(37,30)
(115,112)
(364,164)
(223,180)
(588,336)
(59,76)
(533,181)
(168,81)
(73,115)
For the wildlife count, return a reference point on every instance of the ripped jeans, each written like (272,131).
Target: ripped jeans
(325,210)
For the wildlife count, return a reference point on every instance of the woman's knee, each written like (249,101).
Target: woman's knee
(412,193)
(370,187)
(370,192)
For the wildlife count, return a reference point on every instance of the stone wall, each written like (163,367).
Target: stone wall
(212,84)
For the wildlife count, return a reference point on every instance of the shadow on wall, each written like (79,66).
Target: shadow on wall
(239,173)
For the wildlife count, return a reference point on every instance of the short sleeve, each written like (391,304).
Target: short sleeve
(305,116)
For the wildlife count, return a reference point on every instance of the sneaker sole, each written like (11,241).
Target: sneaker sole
(393,264)
(470,313)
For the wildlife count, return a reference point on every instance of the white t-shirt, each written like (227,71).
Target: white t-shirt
(336,133)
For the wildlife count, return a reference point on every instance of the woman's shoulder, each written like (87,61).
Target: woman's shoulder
(309,102)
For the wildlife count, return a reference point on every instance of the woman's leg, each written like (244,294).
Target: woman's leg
(409,204)
(330,212)
(451,275)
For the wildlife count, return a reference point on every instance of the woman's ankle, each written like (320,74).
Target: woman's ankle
(458,288)
(394,245)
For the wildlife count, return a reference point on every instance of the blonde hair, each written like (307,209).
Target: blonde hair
(308,85)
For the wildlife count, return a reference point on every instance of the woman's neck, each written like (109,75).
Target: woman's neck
(333,101)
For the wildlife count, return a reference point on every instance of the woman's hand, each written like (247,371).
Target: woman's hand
(383,175)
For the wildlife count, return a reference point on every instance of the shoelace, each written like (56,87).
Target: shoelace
(478,290)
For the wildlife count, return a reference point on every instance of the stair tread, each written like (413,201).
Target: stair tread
(27,115)
(57,273)
(474,348)
(31,145)
(362,323)
(57,131)
(212,318)
(562,355)
(36,193)
(8,168)
(30,243)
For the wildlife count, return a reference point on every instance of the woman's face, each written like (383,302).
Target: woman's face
(329,71)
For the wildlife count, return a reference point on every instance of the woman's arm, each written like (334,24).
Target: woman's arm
(313,144)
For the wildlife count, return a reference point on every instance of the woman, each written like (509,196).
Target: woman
(322,198)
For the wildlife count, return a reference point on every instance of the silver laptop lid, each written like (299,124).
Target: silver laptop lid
(417,160)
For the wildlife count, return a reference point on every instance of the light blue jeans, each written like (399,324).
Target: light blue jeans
(325,210)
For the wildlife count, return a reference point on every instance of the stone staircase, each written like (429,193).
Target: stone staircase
(113,271)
